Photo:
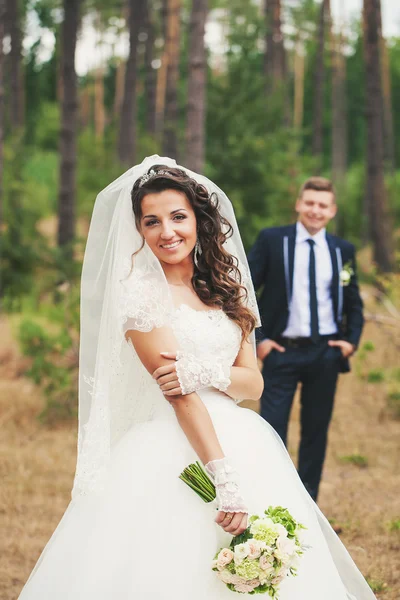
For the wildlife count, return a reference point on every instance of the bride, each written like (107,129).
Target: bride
(167,351)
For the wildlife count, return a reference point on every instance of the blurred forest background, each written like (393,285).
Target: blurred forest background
(280,92)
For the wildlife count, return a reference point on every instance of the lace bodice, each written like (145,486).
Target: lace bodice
(206,334)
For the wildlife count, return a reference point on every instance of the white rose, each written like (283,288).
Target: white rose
(279,577)
(241,552)
(285,547)
(224,558)
(282,531)
(226,576)
(345,276)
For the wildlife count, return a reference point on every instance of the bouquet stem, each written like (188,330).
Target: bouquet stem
(196,478)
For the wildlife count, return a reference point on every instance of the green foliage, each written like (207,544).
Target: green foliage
(51,342)
(376,376)
(394,525)
(97,167)
(40,174)
(250,155)
(376,585)
(368,346)
(393,402)
(350,218)
(22,245)
(48,129)
(355,459)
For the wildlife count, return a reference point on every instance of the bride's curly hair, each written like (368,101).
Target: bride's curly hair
(216,278)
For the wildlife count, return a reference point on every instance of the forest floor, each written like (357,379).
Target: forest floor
(360,489)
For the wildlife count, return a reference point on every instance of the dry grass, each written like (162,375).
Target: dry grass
(37,466)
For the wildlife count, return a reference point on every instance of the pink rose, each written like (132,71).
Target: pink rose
(266,563)
(224,558)
(254,549)
(247,586)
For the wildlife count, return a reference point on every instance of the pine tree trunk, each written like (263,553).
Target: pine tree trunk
(339,124)
(119,88)
(275,57)
(298,86)
(17,108)
(66,199)
(2,31)
(127,125)
(160,92)
(162,72)
(319,79)
(388,127)
(170,139)
(376,197)
(150,73)
(120,72)
(99,110)
(196,87)
(339,113)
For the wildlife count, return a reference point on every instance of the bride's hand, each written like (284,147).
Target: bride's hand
(233,523)
(167,377)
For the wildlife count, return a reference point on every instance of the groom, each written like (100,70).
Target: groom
(311,314)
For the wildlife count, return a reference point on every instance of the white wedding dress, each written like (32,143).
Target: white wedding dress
(149,537)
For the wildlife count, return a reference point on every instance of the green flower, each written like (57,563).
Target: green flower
(248,569)
(281,515)
(264,530)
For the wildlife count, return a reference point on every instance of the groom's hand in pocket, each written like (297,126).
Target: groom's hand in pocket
(265,347)
(346,348)
(233,523)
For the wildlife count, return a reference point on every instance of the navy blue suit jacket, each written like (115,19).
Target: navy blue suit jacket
(271,263)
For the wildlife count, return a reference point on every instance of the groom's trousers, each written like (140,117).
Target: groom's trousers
(316,367)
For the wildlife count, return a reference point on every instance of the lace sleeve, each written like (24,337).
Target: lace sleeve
(144,305)
(196,374)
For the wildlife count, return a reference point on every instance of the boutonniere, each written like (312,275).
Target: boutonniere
(346,274)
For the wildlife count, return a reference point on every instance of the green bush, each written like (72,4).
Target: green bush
(51,341)
(40,175)
(394,525)
(355,459)
(376,585)
(376,376)
(368,346)
(47,131)
(393,402)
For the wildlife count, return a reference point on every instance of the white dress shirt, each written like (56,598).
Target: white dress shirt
(299,323)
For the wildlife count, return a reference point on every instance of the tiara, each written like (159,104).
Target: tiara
(152,173)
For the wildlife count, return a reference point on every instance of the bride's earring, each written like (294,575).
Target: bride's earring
(196,253)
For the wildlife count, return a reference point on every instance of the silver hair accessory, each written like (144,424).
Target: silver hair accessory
(197,252)
(149,175)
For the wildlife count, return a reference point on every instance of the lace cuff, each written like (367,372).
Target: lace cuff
(196,374)
(226,481)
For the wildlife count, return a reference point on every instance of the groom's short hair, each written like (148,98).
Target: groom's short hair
(320,184)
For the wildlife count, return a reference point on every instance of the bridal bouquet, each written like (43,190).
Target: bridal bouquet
(259,559)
